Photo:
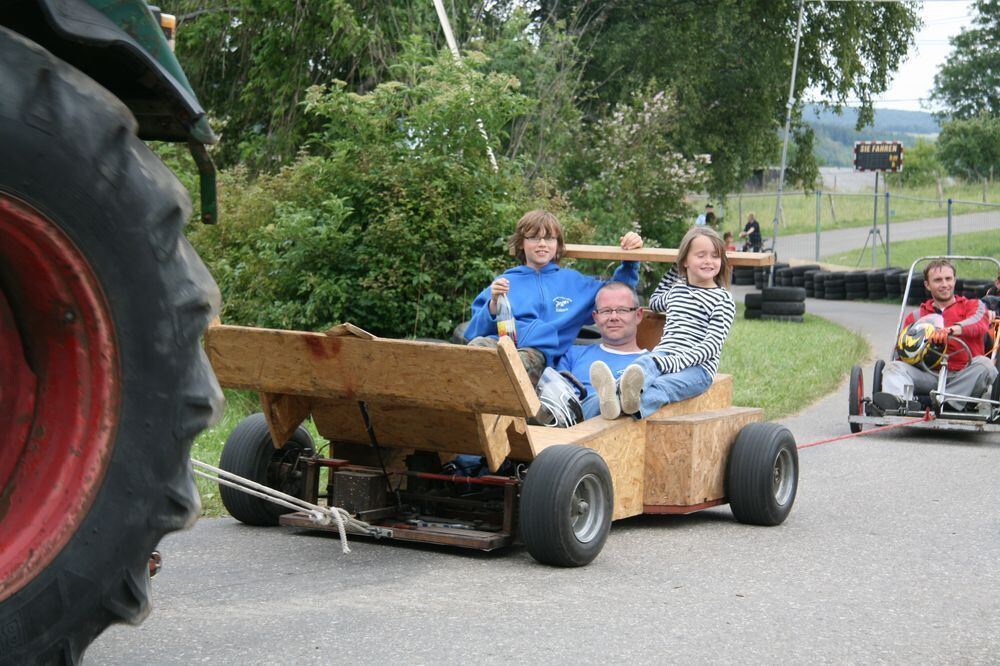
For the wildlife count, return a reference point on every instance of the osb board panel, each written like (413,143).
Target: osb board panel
(440,377)
(718,396)
(410,428)
(622,445)
(659,254)
(284,414)
(686,455)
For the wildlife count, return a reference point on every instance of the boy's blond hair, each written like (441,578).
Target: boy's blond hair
(722,279)
(533,223)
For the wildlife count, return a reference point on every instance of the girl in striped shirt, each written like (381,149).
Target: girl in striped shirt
(694,295)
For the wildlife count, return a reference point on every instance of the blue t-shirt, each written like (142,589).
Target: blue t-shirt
(580,357)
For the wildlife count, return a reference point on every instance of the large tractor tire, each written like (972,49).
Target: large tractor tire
(103,380)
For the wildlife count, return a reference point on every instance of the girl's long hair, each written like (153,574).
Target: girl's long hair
(722,279)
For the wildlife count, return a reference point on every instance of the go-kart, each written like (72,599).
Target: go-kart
(935,409)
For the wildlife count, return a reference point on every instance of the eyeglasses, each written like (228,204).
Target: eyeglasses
(539,239)
(621,312)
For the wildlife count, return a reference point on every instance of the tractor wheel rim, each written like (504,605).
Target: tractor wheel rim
(61,374)
(587,509)
(783,478)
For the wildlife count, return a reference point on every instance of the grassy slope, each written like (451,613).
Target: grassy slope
(774,365)
(855,210)
(903,253)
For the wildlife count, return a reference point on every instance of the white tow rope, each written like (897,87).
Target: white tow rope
(321,515)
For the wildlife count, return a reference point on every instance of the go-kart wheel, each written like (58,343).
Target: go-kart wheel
(855,395)
(250,453)
(877,376)
(566,505)
(762,474)
(995,393)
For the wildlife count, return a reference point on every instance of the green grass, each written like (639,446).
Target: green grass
(774,365)
(855,210)
(903,253)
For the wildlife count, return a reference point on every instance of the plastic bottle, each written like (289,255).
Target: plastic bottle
(505,318)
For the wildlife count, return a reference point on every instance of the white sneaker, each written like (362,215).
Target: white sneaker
(604,383)
(630,388)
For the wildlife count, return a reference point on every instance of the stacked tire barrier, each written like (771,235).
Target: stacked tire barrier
(743,275)
(776,304)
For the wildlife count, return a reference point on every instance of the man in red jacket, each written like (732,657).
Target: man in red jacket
(964,318)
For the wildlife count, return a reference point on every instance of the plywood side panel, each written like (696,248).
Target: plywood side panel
(418,374)
(622,445)
(492,429)
(686,454)
(284,414)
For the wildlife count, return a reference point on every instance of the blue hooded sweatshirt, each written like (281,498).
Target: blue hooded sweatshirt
(550,305)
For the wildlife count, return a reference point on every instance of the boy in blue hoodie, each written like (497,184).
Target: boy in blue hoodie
(549,303)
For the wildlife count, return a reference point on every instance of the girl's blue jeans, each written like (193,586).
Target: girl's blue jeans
(660,389)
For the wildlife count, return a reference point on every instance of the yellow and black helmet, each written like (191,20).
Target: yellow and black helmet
(914,346)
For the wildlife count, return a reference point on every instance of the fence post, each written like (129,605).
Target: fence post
(819,206)
(887,264)
(949,225)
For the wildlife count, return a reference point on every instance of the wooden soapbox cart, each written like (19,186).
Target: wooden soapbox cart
(394,410)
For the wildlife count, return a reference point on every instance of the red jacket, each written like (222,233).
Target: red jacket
(970,314)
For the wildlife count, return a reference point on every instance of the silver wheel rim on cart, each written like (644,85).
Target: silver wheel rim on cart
(782,480)
(587,508)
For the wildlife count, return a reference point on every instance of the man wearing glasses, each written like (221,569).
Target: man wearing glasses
(617,315)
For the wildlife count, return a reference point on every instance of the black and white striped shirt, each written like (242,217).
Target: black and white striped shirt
(698,321)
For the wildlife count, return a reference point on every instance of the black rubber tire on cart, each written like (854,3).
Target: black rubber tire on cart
(762,474)
(102,297)
(566,504)
(249,452)
(877,376)
(855,394)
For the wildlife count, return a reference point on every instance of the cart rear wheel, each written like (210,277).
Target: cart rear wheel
(103,380)
(249,452)
(855,396)
(566,506)
(762,474)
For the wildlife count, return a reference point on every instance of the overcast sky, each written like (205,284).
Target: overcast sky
(915,78)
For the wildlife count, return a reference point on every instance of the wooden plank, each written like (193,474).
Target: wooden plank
(492,429)
(403,372)
(659,254)
(350,329)
(284,414)
(686,455)
(518,376)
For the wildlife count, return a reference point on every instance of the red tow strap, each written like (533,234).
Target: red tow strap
(928,416)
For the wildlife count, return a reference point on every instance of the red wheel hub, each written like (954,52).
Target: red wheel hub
(59,387)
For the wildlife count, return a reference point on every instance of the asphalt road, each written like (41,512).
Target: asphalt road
(891,554)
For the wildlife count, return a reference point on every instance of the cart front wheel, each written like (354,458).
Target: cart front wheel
(566,506)
(856,393)
(762,475)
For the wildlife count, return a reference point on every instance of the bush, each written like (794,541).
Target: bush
(395,219)
(921,166)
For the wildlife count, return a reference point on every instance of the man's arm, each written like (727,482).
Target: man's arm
(975,324)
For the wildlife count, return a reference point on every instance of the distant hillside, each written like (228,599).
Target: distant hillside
(835,134)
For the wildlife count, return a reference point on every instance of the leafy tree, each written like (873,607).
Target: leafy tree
(921,166)
(971,148)
(393,222)
(968,83)
(729,61)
